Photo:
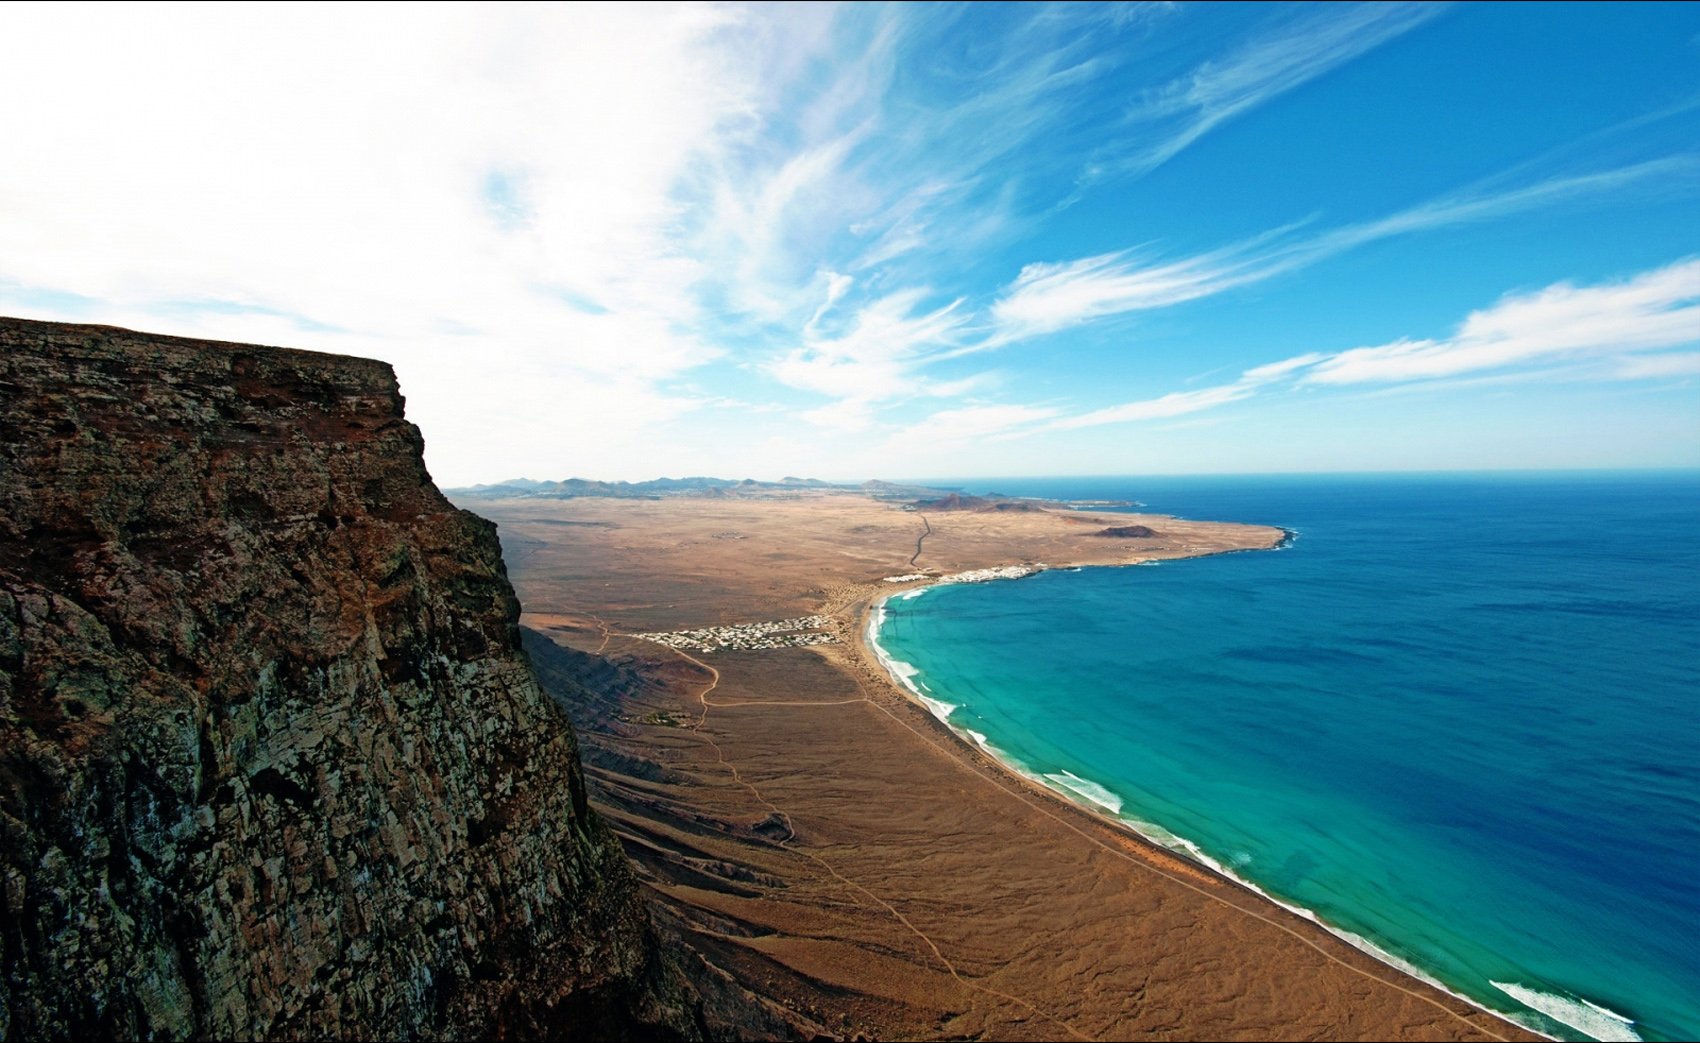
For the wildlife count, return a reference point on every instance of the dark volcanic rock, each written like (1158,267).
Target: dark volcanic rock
(977,504)
(272,763)
(1127,532)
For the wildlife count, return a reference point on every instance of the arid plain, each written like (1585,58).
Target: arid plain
(818,836)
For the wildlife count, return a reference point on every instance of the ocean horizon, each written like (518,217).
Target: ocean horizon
(1453,719)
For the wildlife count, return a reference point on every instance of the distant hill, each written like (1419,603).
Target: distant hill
(881,490)
(1127,532)
(978,504)
(657,488)
(654,489)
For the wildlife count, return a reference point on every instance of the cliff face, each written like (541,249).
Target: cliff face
(271,760)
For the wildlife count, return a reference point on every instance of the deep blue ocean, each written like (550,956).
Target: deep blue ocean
(1457,717)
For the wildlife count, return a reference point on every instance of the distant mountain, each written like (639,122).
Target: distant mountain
(1128,532)
(881,490)
(654,489)
(978,504)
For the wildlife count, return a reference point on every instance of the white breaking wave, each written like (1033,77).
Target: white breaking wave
(1588,1018)
(1182,846)
(941,709)
(1591,1019)
(1088,790)
(903,673)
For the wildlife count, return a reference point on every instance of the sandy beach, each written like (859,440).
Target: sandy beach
(811,830)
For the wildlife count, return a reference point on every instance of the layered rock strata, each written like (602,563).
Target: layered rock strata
(272,762)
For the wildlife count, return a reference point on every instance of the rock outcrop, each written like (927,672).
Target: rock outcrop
(978,504)
(1128,532)
(272,762)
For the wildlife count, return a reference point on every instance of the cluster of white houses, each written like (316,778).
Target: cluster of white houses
(745,637)
(987,575)
(972,575)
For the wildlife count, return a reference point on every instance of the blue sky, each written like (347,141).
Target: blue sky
(893,241)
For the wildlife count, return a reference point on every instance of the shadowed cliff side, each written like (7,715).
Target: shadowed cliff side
(272,763)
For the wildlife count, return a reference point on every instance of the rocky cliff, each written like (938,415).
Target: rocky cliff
(272,763)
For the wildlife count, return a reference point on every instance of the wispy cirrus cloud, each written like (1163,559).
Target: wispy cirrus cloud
(1047,297)
(601,226)
(894,144)
(1625,329)
(1181,403)
(1652,367)
(1621,321)
(891,342)
(446,199)
(1173,116)
(1176,403)
(976,423)
(876,359)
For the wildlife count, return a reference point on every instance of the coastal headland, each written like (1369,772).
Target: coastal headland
(807,827)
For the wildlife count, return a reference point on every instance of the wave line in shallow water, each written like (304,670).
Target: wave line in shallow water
(1086,789)
(904,673)
(1591,1019)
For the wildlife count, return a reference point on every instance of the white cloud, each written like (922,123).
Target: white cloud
(1185,109)
(1656,309)
(1176,403)
(1286,367)
(1617,323)
(578,226)
(1490,201)
(386,182)
(1671,364)
(1047,297)
(970,424)
(1181,403)
(845,416)
(912,148)
(876,359)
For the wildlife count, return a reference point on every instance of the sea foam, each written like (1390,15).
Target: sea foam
(1042,657)
(904,673)
(1087,790)
(1588,1018)
(907,675)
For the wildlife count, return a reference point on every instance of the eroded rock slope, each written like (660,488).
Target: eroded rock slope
(272,763)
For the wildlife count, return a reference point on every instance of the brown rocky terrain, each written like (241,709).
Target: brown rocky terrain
(981,504)
(272,761)
(1127,532)
(803,824)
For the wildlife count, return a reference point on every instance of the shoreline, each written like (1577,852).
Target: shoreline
(881,913)
(870,616)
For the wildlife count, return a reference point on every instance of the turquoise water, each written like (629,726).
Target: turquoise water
(1457,717)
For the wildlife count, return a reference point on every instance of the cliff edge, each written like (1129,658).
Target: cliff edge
(272,763)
